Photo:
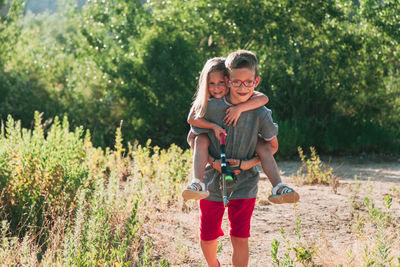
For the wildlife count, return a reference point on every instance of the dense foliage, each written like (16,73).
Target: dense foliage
(330,68)
(64,202)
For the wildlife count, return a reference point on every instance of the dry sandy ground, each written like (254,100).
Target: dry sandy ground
(327,221)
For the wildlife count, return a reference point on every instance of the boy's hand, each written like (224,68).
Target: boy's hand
(217,165)
(246,164)
(232,115)
(218,131)
(235,163)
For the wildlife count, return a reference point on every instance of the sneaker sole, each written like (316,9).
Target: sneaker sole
(190,194)
(292,197)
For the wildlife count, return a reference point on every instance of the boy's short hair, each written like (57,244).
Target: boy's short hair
(242,59)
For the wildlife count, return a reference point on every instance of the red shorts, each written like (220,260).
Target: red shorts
(239,214)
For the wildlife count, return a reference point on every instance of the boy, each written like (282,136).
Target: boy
(241,142)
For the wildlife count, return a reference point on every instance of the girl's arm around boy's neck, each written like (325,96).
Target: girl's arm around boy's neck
(255,101)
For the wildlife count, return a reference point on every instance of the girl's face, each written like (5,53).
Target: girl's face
(216,84)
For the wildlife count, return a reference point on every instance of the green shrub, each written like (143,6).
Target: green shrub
(67,203)
(40,174)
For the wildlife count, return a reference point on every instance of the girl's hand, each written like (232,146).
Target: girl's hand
(232,115)
(218,131)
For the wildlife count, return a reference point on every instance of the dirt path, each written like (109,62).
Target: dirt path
(326,219)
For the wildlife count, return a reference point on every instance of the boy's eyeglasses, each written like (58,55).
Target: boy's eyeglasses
(238,83)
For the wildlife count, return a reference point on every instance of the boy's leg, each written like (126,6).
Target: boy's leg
(197,190)
(209,249)
(239,214)
(240,256)
(280,193)
(211,215)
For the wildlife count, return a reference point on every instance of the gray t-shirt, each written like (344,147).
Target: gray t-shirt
(241,142)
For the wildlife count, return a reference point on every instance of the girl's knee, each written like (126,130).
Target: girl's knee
(202,140)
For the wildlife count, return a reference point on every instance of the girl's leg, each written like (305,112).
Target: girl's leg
(190,139)
(268,162)
(209,249)
(200,156)
(280,192)
(197,188)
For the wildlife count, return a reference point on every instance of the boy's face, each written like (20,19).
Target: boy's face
(242,83)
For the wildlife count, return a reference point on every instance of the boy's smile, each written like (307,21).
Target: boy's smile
(242,83)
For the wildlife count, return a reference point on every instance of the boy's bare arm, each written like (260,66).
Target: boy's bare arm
(244,165)
(233,113)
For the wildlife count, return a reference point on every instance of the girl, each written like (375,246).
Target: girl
(212,85)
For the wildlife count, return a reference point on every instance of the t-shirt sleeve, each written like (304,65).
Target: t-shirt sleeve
(268,129)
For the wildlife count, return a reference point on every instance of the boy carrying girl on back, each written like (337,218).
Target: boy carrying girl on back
(241,143)
(212,84)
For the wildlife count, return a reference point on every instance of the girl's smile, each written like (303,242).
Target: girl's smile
(216,84)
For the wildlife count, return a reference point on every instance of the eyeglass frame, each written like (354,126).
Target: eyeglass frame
(254,82)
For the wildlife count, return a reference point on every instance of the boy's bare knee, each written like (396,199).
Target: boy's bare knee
(242,240)
(208,242)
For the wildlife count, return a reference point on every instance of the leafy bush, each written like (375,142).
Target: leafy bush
(40,175)
(64,202)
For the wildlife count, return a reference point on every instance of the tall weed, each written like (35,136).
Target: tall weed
(374,225)
(314,171)
(294,251)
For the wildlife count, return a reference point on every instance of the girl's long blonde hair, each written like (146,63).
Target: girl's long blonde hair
(199,105)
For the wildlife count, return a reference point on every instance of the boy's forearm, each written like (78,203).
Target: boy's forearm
(248,164)
(254,161)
